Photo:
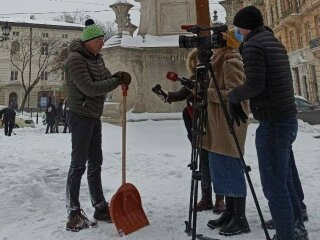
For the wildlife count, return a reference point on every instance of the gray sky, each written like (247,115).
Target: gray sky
(44,6)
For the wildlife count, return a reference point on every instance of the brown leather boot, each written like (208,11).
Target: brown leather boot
(204,204)
(219,205)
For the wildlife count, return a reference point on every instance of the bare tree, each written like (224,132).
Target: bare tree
(78,16)
(108,27)
(43,55)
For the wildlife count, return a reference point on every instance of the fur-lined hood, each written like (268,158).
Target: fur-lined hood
(191,61)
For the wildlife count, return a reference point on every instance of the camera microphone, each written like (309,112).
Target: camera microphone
(184,81)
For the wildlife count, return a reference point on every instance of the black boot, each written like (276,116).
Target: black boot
(219,205)
(239,223)
(225,217)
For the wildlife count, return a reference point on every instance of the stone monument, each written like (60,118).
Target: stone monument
(149,55)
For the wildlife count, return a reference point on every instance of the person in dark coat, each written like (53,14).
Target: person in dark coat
(88,82)
(186,93)
(296,182)
(269,87)
(50,116)
(9,116)
(59,116)
(66,117)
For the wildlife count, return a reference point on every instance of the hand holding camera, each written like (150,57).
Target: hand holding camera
(123,77)
(160,93)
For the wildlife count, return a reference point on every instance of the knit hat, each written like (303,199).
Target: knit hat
(91,31)
(232,42)
(248,18)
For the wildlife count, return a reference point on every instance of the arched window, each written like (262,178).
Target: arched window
(15,47)
(13,100)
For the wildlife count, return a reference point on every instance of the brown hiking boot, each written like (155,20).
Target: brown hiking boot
(219,205)
(77,220)
(204,205)
(102,214)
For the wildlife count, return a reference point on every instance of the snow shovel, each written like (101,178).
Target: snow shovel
(125,207)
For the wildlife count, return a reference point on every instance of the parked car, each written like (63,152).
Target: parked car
(307,111)
(21,120)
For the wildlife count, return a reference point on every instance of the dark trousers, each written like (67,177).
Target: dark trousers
(297,182)
(8,126)
(206,188)
(86,149)
(274,148)
(49,126)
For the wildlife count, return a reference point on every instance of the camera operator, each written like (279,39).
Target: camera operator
(186,93)
(269,87)
(225,165)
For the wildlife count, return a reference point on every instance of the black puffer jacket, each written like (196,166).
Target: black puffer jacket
(9,115)
(269,84)
(88,81)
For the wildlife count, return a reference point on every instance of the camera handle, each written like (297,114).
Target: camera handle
(246,168)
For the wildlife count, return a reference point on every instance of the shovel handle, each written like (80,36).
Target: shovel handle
(124,130)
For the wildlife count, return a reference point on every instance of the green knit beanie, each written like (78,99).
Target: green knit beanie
(91,31)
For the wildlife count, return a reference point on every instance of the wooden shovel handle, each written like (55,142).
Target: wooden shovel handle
(124,130)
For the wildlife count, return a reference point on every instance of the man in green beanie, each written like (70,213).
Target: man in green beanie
(88,82)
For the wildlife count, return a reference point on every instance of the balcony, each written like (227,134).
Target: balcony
(290,16)
(315,43)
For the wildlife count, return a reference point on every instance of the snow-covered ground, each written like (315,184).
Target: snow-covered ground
(34,166)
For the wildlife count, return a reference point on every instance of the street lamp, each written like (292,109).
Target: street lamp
(6,28)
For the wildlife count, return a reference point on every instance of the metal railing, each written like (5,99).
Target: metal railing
(314,43)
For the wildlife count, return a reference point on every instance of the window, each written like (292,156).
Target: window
(45,35)
(293,40)
(15,47)
(15,34)
(64,35)
(14,75)
(44,75)
(44,49)
(317,24)
(307,32)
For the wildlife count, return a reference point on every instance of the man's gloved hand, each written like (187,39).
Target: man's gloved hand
(236,113)
(160,93)
(124,77)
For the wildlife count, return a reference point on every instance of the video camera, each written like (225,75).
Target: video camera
(214,41)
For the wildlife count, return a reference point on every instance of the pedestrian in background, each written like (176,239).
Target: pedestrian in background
(8,119)
(50,116)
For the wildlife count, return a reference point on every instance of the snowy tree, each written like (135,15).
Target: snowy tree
(80,17)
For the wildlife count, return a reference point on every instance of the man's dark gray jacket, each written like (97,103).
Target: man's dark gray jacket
(269,84)
(88,81)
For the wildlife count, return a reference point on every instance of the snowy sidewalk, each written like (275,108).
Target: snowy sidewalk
(34,166)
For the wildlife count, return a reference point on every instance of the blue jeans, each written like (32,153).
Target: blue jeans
(274,148)
(227,175)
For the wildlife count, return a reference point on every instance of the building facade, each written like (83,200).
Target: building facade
(296,23)
(23,32)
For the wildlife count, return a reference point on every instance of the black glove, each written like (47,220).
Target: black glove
(236,113)
(123,77)
(160,93)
